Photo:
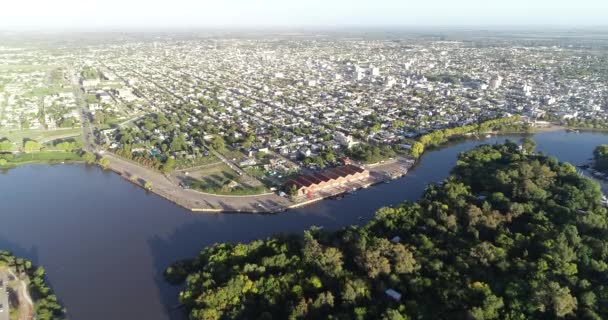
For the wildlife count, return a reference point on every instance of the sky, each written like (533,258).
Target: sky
(159,14)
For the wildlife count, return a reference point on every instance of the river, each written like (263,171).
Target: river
(105,242)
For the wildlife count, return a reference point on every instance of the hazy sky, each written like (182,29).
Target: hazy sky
(91,14)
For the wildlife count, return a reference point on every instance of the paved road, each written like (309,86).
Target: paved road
(87,132)
(4,315)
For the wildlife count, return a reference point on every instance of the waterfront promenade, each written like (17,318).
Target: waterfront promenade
(197,201)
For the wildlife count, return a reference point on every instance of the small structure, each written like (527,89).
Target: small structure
(393,294)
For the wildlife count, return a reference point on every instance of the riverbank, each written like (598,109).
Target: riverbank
(197,201)
(8,161)
(118,225)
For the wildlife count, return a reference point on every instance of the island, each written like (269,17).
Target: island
(511,234)
(24,293)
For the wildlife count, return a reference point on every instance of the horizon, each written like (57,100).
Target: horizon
(96,15)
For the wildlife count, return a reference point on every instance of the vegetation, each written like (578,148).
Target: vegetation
(597,124)
(221,179)
(436,138)
(370,154)
(600,155)
(104,163)
(89,73)
(509,235)
(11,160)
(46,305)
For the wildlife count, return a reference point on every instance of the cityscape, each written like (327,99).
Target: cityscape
(269,160)
(257,116)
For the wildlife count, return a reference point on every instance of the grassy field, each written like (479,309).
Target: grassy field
(25,67)
(40,135)
(41,157)
(215,180)
(233,154)
(191,163)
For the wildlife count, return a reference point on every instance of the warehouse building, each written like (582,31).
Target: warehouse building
(327,179)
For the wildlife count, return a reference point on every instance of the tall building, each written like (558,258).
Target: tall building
(495,82)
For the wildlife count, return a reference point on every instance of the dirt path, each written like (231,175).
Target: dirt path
(26,305)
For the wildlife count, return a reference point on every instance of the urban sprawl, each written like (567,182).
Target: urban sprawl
(281,122)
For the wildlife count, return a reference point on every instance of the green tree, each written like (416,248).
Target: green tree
(528,145)
(417,149)
(31,146)
(148,186)
(6,145)
(89,158)
(104,163)
(218,143)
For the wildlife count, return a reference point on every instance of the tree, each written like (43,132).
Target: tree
(169,165)
(6,145)
(528,145)
(89,158)
(148,185)
(218,143)
(417,149)
(104,163)
(31,146)
(3,162)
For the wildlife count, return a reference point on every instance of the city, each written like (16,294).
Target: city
(190,118)
(344,159)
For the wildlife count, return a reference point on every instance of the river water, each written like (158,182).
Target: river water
(105,242)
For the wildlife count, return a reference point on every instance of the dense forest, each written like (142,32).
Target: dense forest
(46,304)
(511,234)
(600,155)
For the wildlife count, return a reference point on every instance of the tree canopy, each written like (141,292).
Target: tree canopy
(509,235)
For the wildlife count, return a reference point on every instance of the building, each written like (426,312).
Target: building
(375,71)
(90,83)
(495,82)
(345,140)
(307,185)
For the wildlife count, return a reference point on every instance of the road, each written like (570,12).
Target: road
(88,138)
(4,315)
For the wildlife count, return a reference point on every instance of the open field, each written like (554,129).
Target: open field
(184,164)
(39,135)
(42,157)
(25,67)
(219,179)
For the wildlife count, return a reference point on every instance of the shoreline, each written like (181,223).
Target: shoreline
(382,172)
(268,203)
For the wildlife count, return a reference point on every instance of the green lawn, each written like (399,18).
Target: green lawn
(41,157)
(191,163)
(40,135)
(215,179)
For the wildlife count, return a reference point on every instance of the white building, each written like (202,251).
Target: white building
(344,140)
